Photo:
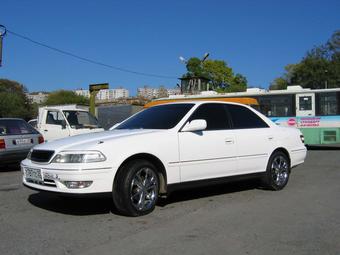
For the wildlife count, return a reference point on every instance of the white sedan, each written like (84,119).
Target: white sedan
(164,147)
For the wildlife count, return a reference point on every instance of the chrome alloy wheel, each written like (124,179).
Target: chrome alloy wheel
(144,189)
(280,170)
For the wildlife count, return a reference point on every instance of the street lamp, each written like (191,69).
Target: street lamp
(326,83)
(3,32)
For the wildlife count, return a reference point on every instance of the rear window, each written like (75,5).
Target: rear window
(243,118)
(15,127)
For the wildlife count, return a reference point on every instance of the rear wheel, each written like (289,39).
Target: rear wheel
(136,187)
(278,170)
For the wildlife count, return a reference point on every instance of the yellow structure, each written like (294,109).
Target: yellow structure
(241,100)
(94,89)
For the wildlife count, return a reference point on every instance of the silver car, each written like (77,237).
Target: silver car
(17,137)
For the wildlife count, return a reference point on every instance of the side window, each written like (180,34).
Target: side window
(214,114)
(54,118)
(243,118)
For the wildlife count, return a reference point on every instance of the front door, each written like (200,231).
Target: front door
(210,153)
(305,104)
(54,126)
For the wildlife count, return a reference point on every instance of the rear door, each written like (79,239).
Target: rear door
(254,137)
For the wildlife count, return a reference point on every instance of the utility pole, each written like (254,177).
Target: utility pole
(94,89)
(3,32)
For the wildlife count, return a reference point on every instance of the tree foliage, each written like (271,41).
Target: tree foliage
(218,72)
(319,68)
(14,102)
(61,97)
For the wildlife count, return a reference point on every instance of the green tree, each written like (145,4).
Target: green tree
(195,68)
(319,68)
(278,83)
(65,97)
(13,100)
(221,76)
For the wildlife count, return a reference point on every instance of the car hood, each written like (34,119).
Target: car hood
(89,140)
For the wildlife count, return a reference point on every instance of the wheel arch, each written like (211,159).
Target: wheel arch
(160,168)
(283,150)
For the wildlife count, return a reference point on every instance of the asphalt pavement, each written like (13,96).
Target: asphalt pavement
(234,218)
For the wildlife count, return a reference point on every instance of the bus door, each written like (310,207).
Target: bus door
(305,104)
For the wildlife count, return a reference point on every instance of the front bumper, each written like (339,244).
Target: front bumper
(53,178)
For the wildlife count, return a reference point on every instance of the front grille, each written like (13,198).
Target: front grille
(41,155)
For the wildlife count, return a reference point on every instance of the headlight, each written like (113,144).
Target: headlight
(78,157)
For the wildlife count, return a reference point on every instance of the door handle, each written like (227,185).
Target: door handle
(45,130)
(270,138)
(229,141)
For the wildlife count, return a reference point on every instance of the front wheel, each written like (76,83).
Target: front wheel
(278,170)
(136,187)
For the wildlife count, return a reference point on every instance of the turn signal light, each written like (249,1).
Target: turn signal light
(77,184)
(2,144)
(41,139)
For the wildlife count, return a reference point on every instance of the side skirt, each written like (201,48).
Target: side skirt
(211,182)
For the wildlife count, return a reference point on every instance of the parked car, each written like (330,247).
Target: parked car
(163,147)
(17,137)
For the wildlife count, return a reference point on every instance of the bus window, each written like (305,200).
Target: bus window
(327,103)
(305,103)
(277,105)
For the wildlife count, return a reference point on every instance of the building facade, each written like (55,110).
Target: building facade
(37,97)
(105,94)
(150,93)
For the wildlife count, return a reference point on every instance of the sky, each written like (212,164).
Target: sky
(255,38)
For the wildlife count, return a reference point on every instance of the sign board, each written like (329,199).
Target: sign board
(99,86)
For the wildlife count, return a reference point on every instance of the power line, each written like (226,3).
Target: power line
(87,59)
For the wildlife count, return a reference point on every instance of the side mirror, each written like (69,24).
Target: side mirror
(114,126)
(195,125)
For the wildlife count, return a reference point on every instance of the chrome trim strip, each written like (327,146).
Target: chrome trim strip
(221,158)
(297,150)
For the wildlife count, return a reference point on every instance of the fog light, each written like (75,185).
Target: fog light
(77,184)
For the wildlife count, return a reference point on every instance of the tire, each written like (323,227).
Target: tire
(136,188)
(278,171)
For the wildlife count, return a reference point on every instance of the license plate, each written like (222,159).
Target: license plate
(22,141)
(33,174)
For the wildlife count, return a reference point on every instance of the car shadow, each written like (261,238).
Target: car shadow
(83,206)
(10,167)
(102,204)
(209,191)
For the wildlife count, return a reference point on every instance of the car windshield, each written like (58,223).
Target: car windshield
(15,127)
(157,117)
(81,119)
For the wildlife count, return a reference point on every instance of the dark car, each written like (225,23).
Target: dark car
(17,137)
